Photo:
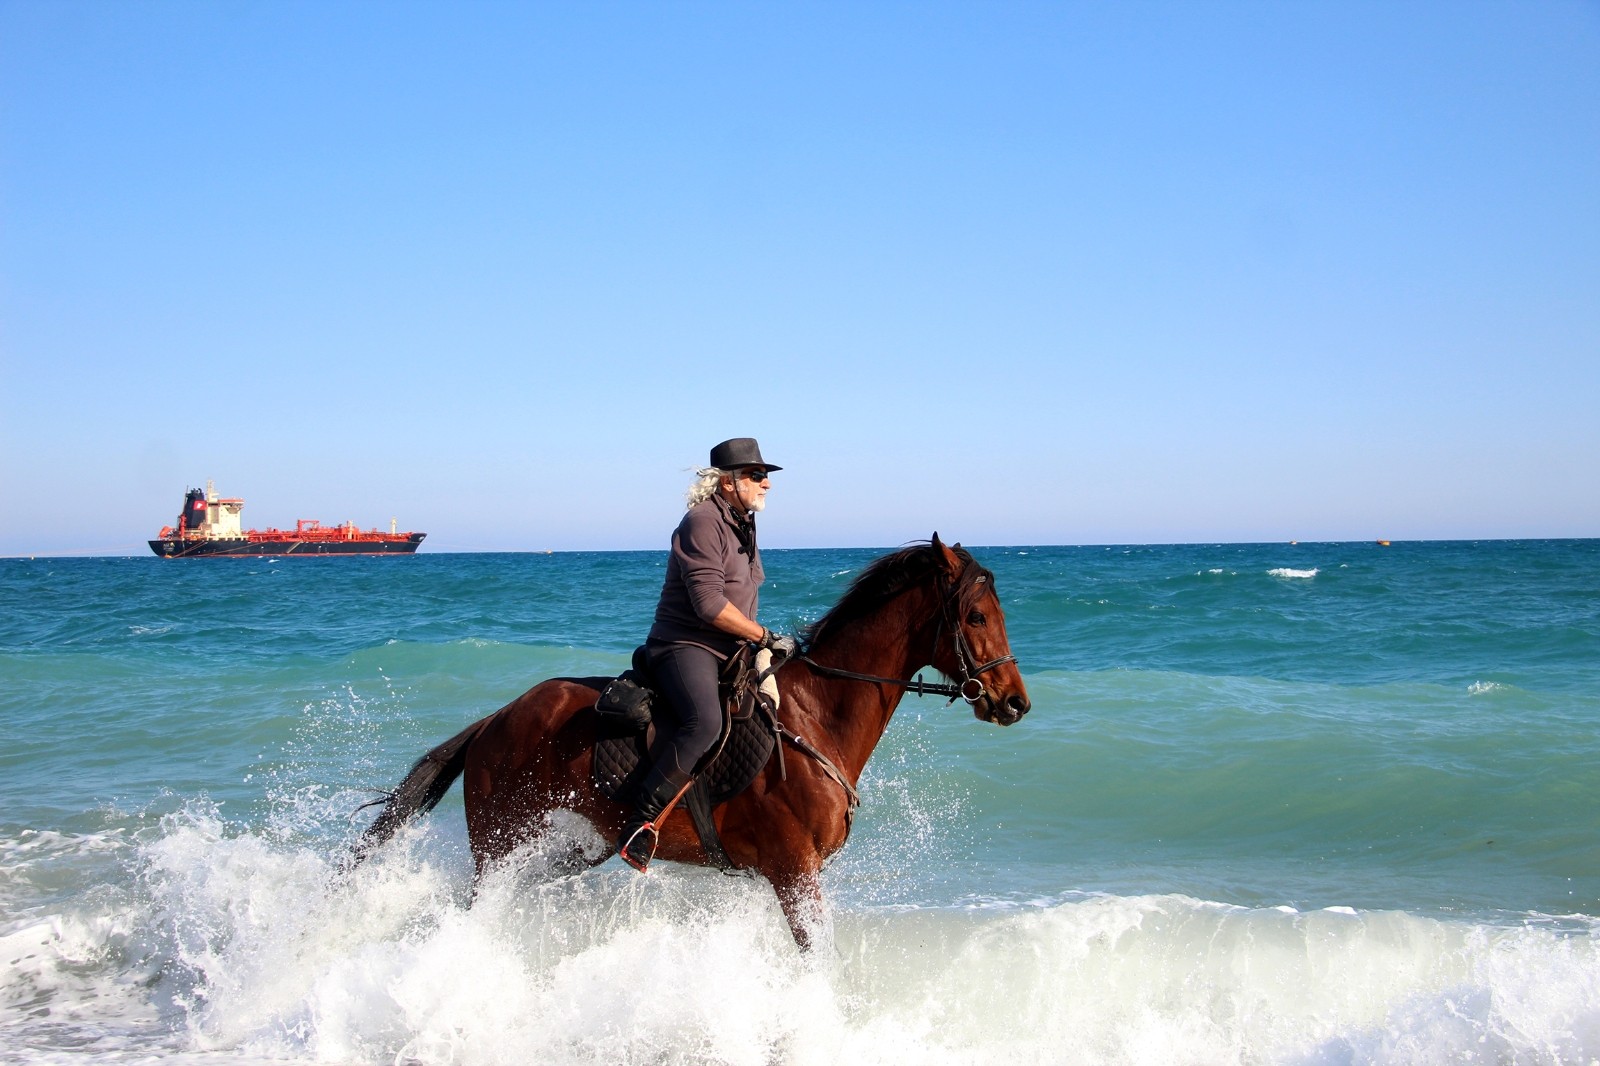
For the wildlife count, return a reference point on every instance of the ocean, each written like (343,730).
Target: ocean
(1308,804)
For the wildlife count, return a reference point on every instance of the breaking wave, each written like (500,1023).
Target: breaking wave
(243,946)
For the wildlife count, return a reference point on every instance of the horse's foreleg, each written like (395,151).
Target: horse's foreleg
(800,896)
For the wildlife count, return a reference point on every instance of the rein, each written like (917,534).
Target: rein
(916,686)
(970,688)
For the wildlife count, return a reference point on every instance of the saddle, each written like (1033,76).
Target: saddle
(749,735)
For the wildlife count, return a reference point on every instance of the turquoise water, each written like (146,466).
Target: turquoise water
(1275,803)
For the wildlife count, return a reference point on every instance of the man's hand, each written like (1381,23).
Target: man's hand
(781,645)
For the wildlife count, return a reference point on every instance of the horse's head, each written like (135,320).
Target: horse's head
(976,650)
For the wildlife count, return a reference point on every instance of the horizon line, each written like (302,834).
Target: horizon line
(100,553)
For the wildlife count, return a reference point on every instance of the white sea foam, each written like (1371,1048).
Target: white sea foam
(73,970)
(1284,571)
(240,947)
(1478,688)
(37,845)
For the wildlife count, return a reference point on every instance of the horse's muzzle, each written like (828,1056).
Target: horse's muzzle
(1008,711)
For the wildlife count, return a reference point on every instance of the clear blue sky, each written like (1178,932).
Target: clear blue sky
(1021,273)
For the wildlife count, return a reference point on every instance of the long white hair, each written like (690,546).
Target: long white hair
(705,484)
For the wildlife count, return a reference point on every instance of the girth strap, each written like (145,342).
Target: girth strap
(697,800)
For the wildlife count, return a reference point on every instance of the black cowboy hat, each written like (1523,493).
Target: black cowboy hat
(740,451)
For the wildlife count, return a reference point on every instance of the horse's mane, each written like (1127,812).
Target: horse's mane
(886,578)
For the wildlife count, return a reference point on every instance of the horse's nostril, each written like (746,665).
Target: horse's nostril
(1018,704)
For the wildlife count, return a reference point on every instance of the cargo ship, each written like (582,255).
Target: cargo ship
(209,525)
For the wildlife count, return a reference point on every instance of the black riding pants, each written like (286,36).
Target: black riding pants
(692,720)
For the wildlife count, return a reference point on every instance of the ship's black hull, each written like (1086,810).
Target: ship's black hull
(173,548)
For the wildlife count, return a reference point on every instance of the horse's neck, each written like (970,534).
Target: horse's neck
(853,715)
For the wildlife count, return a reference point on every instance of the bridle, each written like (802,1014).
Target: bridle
(970,687)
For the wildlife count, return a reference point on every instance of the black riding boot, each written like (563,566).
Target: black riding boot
(637,844)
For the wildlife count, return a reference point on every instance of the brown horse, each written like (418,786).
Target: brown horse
(926,605)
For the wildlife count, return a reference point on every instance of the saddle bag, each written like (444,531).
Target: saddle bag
(625,700)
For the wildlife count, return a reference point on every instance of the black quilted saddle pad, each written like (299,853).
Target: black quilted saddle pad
(619,759)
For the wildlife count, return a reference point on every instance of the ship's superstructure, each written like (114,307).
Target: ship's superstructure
(210,525)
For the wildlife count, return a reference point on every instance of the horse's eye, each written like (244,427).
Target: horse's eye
(975,617)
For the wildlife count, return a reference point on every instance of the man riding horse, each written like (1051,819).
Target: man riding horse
(707,608)
(927,604)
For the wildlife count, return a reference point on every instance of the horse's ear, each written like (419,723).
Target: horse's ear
(948,560)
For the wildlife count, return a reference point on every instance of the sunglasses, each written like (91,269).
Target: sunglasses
(758,475)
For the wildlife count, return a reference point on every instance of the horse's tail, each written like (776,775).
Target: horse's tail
(419,793)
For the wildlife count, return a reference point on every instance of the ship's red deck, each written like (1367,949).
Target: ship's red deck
(306,531)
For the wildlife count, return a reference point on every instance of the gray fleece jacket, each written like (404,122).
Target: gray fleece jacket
(714,562)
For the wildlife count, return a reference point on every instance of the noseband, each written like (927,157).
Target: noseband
(970,688)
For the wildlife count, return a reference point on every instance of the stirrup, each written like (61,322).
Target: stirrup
(638,847)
